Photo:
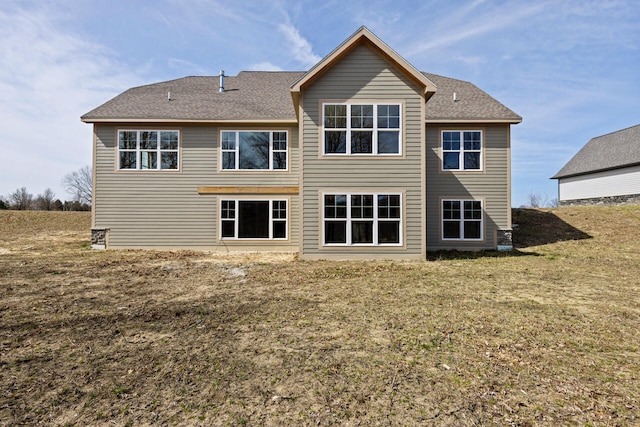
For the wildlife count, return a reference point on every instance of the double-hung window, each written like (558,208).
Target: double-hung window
(461,150)
(360,129)
(148,149)
(362,219)
(462,220)
(253,219)
(251,150)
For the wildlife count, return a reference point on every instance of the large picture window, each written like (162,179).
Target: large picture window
(360,129)
(249,150)
(148,149)
(462,220)
(362,219)
(461,150)
(253,219)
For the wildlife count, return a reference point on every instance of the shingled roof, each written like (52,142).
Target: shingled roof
(265,96)
(611,151)
(248,96)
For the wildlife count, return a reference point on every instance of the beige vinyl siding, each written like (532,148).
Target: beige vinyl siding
(362,74)
(491,185)
(161,209)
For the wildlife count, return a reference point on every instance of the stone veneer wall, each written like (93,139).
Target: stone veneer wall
(505,240)
(99,238)
(628,199)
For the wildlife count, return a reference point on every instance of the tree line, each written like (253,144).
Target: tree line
(77,183)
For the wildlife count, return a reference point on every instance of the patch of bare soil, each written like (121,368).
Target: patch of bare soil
(547,335)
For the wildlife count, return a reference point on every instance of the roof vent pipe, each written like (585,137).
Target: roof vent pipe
(455,97)
(221,81)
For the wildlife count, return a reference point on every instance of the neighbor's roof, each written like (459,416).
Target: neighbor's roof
(611,151)
(261,96)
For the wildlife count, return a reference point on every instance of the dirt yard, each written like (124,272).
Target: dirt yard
(546,335)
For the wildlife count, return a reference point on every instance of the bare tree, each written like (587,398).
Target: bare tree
(79,184)
(538,200)
(21,199)
(45,201)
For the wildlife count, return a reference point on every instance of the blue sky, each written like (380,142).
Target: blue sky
(571,69)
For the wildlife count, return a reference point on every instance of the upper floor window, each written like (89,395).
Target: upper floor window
(148,149)
(249,150)
(461,220)
(462,150)
(362,129)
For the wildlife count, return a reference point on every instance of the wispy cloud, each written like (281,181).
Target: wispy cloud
(264,66)
(48,78)
(468,23)
(301,49)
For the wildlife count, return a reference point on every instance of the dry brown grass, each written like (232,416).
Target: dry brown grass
(547,335)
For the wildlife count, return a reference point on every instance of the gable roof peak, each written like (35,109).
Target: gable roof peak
(363,33)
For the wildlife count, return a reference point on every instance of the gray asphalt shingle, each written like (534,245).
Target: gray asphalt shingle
(260,95)
(611,151)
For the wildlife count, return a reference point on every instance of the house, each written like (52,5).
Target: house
(605,171)
(362,156)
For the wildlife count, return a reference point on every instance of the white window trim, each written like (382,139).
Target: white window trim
(138,150)
(375,219)
(462,220)
(374,129)
(461,151)
(236,151)
(236,222)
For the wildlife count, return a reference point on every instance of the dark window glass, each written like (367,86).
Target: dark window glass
(280,160)
(169,140)
(388,232)
(253,150)
(471,160)
(451,140)
(451,209)
(229,160)
(169,160)
(388,142)
(472,141)
(228,229)
(148,140)
(335,232)
(253,219)
(451,230)
(128,160)
(335,206)
(335,116)
(362,116)
(451,160)
(279,229)
(361,141)
(127,140)
(472,229)
(361,232)
(472,210)
(335,142)
(228,140)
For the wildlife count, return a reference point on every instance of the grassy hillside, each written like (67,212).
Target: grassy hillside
(546,335)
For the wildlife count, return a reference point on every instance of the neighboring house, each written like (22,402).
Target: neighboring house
(605,171)
(362,156)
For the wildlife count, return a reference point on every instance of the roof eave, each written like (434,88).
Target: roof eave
(512,121)
(571,175)
(174,120)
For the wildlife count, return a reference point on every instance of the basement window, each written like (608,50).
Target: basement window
(362,219)
(253,219)
(462,220)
